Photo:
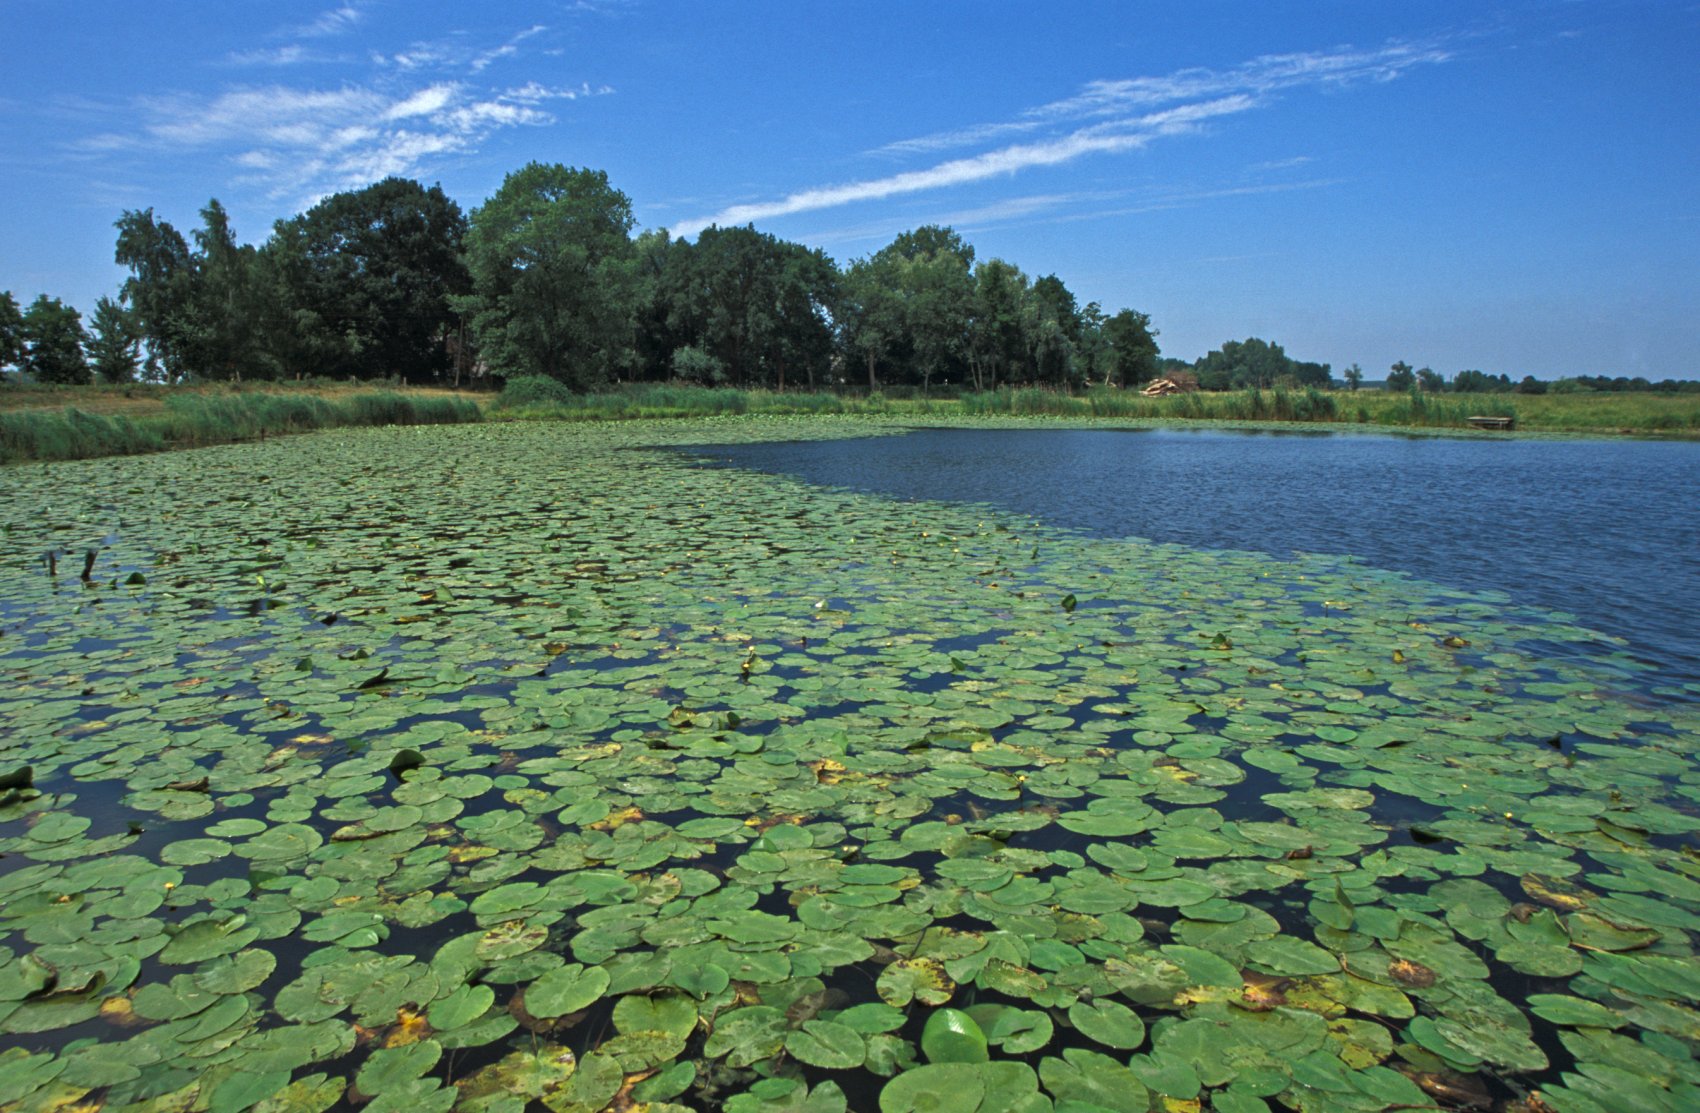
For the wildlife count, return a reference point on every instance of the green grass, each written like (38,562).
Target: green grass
(195,420)
(533,399)
(1279,404)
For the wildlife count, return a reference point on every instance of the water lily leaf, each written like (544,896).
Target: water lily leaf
(1109,1023)
(387,1069)
(566,989)
(1094,1081)
(245,1089)
(952,1036)
(206,939)
(1290,957)
(747,1036)
(918,979)
(515,937)
(1573,1011)
(237,973)
(787,1095)
(1493,1042)
(824,1043)
(673,1014)
(1166,1074)
(461,1007)
(935,1088)
(1596,933)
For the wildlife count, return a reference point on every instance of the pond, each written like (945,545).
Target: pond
(1606,530)
(524,767)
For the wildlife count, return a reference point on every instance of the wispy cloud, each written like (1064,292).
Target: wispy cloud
(1124,135)
(292,55)
(457,52)
(1055,208)
(303,143)
(1103,117)
(507,50)
(332,21)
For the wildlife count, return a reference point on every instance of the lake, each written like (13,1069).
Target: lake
(475,767)
(1606,530)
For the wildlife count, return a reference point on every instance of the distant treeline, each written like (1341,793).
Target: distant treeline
(545,278)
(395,282)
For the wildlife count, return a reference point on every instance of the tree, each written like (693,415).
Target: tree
(995,340)
(1053,331)
(1528,384)
(224,337)
(555,278)
(1400,377)
(1480,382)
(871,313)
(53,342)
(1430,380)
(159,287)
(368,276)
(1133,348)
(1354,376)
(807,297)
(937,294)
(11,330)
(114,346)
(1243,365)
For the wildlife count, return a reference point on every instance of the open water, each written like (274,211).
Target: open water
(1608,531)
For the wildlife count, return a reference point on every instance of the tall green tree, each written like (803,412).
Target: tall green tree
(1430,381)
(723,297)
(870,315)
(995,338)
(161,282)
(225,337)
(807,297)
(1400,377)
(1132,348)
(11,330)
(555,279)
(1053,332)
(1353,375)
(53,342)
(114,344)
(1242,365)
(937,294)
(369,275)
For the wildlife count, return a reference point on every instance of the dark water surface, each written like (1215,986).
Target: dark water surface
(1608,531)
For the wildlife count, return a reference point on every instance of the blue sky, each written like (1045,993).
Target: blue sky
(1506,186)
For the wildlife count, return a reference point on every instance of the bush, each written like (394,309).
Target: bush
(534,390)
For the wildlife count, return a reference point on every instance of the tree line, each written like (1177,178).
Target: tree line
(547,278)
(395,281)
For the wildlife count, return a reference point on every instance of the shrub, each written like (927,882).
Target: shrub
(534,390)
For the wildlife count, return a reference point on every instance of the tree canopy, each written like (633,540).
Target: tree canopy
(556,284)
(53,342)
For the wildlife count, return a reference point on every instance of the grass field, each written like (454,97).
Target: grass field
(61,423)
(117,421)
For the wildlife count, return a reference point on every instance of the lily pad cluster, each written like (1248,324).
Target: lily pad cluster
(492,768)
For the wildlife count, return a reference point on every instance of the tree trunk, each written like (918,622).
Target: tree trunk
(872,385)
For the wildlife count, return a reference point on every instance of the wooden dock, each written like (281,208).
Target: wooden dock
(1486,422)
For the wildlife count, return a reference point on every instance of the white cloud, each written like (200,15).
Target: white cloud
(506,50)
(1104,117)
(308,142)
(333,21)
(291,55)
(1124,135)
(429,100)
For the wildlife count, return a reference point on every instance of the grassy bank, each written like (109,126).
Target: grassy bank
(545,399)
(62,423)
(196,419)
